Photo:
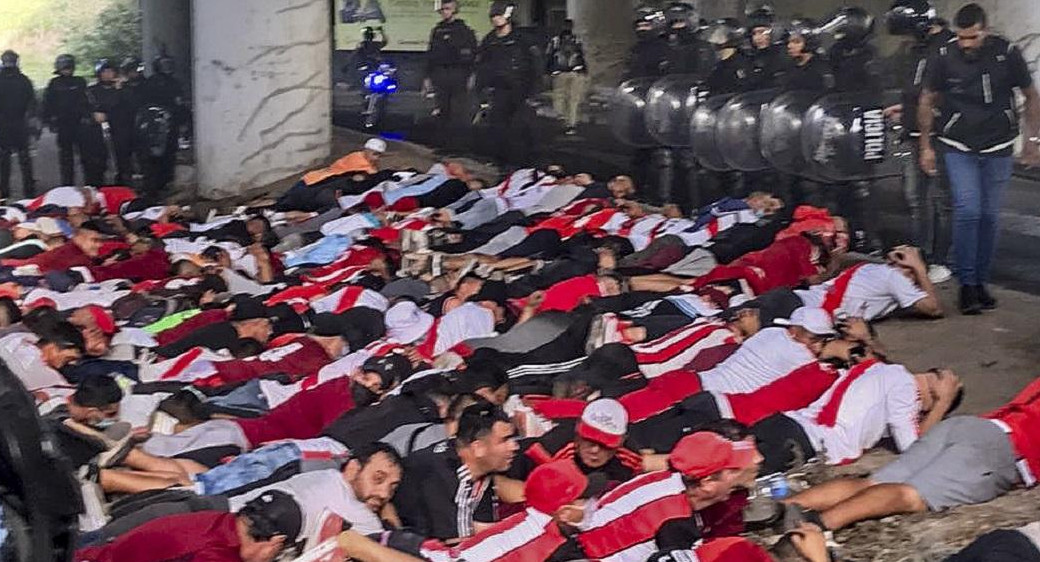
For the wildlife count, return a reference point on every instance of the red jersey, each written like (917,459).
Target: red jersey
(66,256)
(153,264)
(1021,419)
(301,358)
(303,416)
(205,536)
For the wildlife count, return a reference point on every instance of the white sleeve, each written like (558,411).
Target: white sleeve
(903,290)
(903,406)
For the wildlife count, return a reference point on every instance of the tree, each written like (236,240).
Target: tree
(114,34)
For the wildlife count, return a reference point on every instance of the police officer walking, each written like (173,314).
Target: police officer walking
(449,65)
(66,111)
(508,64)
(17,108)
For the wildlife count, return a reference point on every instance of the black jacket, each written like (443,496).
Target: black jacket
(813,76)
(647,59)
(17,104)
(65,101)
(376,422)
(911,70)
(453,45)
(730,76)
(114,102)
(977,105)
(511,62)
(767,67)
(689,54)
(565,54)
(854,68)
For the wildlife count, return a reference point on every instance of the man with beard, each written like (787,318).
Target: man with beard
(446,493)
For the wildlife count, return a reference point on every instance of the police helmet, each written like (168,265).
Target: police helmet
(502,8)
(911,17)
(64,62)
(808,30)
(131,64)
(681,12)
(725,33)
(850,26)
(162,64)
(763,16)
(646,15)
(9,59)
(102,65)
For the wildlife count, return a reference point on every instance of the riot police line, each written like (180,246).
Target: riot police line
(124,129)
(773,108)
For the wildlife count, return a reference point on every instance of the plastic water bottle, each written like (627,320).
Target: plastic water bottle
(779,487)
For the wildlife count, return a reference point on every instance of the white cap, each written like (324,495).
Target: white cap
(406,324)
(604,421)
(46,225)
(375,145)
(816,320)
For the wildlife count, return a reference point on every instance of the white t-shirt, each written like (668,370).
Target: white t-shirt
(19,352)
(765,357)
(875,290)
(463,323)
(317,492)
(882,397)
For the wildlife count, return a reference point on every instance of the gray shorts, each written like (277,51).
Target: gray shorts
(695,264)
(962,460)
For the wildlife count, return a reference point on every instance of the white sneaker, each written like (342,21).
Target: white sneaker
(939,274)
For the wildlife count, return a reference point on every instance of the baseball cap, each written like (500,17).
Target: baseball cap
(816,320)
(375,145)
(704,453)
(390,368)
(327,324)
(556,484)
(48,226)
(274,513)
(724,549)
(605,422)
(103,319)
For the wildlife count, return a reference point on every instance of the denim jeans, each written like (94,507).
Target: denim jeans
(977,183)
(247,468)
(928,199)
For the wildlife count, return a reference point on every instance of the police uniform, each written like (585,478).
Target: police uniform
(164,91)
(509,66)
(648,58)
(118,107)
(767,67)
(689,54)
(731,76)
(813,76)
(449,63)
(66,109)
(17,104)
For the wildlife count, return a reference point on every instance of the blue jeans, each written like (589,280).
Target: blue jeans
(977,183)
(247,468)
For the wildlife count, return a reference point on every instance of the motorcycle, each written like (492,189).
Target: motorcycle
(380,83)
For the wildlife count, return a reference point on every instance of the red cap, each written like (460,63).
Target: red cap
(103,319)
(41,302)
(704,453)
(732,548)
(556,484)
(605,422)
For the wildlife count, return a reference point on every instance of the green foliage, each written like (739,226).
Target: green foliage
(114,34)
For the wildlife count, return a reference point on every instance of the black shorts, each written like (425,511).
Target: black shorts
(783,443)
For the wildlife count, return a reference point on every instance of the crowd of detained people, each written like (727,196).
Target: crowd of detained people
(397,365)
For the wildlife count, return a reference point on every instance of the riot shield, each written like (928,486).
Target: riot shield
(737,130)
(670,103)
(628,113)
(780,134)
(702,133)
(845,138)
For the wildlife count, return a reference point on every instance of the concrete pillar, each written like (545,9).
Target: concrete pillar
(166,28)
(605,26)
(262,91)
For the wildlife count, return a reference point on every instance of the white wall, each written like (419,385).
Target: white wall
(261,91)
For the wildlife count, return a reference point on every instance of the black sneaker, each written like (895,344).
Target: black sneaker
(970,304)
(986,300)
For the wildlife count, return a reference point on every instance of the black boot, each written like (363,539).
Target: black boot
(970,304)
(986,300)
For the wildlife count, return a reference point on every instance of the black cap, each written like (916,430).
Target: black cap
(392,369)
(480,374)
(327,324)
(408,288)
(274,513)
(494,291)
(249,309)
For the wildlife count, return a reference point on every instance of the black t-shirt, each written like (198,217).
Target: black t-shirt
(222,335)
(558,443)
(438,498)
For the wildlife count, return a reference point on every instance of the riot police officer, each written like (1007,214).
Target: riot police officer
(649,56)
(766,49)
(733,73)
(808,70)
(687,52)
(17,109)
(66,111)
(449,65)
(927,197)
(163,116)
(115,114)
(508,65)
